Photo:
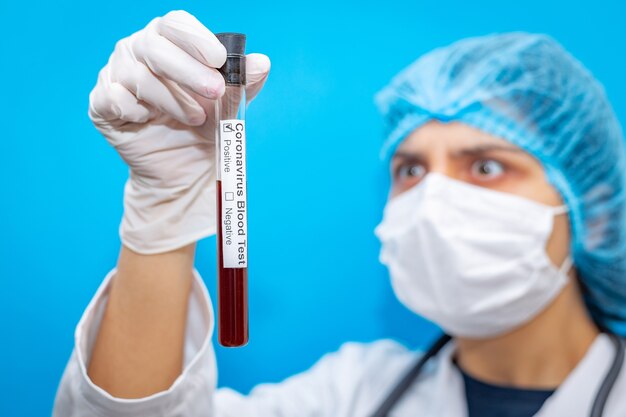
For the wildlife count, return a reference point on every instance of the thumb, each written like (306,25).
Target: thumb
(257,70)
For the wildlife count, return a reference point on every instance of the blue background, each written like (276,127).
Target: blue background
(316,187)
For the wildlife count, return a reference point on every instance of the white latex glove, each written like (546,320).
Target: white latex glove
(154,103)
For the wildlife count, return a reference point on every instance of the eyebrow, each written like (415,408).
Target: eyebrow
(475,150)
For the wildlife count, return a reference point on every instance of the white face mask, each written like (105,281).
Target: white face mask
(470,259)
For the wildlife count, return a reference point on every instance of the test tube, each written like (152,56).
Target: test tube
(232,204)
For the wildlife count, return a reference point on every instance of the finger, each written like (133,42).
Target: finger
(167,60)
(111,101)
(159,93)
(186,32)
(257,70)
(129,107)
(101,104)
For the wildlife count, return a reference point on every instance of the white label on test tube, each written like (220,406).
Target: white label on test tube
(234,200)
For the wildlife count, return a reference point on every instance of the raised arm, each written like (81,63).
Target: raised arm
(154,103)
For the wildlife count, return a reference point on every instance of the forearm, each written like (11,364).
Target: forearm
(139,348)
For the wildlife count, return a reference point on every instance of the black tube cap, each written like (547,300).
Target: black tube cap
(235,43)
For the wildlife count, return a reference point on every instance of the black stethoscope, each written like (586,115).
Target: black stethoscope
(414,372)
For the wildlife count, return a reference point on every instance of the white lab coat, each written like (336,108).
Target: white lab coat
(351,382)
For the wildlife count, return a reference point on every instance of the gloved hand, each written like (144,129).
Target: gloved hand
(154,103)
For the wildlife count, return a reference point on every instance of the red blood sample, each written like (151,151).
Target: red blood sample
(232,293)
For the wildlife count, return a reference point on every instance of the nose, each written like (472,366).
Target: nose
(440,163)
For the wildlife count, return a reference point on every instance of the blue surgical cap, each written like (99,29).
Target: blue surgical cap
(528,90)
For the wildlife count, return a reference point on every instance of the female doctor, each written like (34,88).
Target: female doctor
(505,226)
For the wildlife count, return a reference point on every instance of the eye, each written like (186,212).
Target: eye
(487,168)
(408,171)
